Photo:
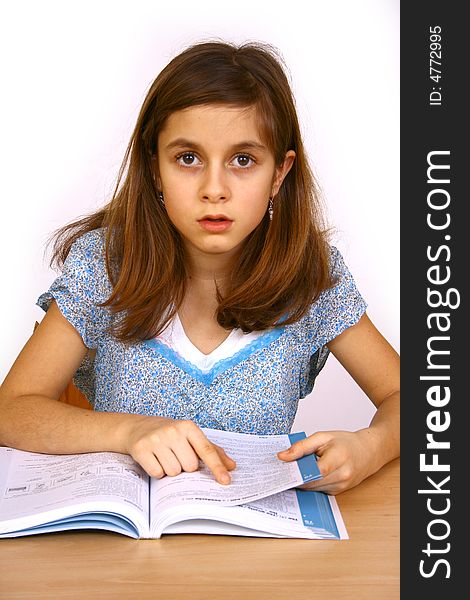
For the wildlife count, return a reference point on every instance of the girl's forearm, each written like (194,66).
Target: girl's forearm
(40,424)
(385,429)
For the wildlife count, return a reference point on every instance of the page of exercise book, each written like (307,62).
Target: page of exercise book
(292,513)
(275,516)
(43,488)
(259,473)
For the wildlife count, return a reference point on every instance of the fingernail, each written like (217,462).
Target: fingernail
(225,478)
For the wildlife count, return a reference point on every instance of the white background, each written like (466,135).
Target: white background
(74,75)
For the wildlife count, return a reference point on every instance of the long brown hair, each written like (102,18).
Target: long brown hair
(284,264)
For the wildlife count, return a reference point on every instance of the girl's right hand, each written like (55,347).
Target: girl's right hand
(168,447)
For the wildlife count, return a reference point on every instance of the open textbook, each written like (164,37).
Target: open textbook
(41,493)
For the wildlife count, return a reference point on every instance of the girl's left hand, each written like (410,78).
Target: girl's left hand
(345,458)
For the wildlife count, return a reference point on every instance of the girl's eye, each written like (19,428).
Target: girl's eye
(187,159)
(243,160)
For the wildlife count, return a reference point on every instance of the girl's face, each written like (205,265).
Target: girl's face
(216,175)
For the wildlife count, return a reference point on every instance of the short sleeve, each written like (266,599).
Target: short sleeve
(338,307)
(81,287)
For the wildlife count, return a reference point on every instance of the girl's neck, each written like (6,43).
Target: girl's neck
(197,312)
(204,269)
(206,284)
(208,275)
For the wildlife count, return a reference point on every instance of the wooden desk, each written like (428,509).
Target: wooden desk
(82,565)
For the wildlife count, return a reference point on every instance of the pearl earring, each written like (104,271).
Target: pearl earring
(161,198)
(270,208)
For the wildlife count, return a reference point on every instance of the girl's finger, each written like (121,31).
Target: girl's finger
(168,461)
(332,488)
(187,457)
(228,462)
(308,445)
(209,453)
(334,482)
(150,464)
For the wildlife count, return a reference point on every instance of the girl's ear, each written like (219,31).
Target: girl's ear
(282,171)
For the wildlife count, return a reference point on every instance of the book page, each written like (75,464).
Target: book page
(279,515)
(57,485)
(259,473)
(282,507)
(293,511)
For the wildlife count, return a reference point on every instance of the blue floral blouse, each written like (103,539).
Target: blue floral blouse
(256,390)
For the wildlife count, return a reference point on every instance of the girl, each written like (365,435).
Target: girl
(205,294)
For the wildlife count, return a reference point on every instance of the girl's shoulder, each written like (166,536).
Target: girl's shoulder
(82,286)
(85,268)
(84,274)
(338,269)
(337,307)
(344,288)
(89,246)
(87,253)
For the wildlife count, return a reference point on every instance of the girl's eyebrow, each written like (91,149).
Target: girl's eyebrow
(244,145)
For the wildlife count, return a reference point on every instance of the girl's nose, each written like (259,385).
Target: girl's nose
(214,186)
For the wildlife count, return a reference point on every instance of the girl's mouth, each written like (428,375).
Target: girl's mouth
(215,223)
